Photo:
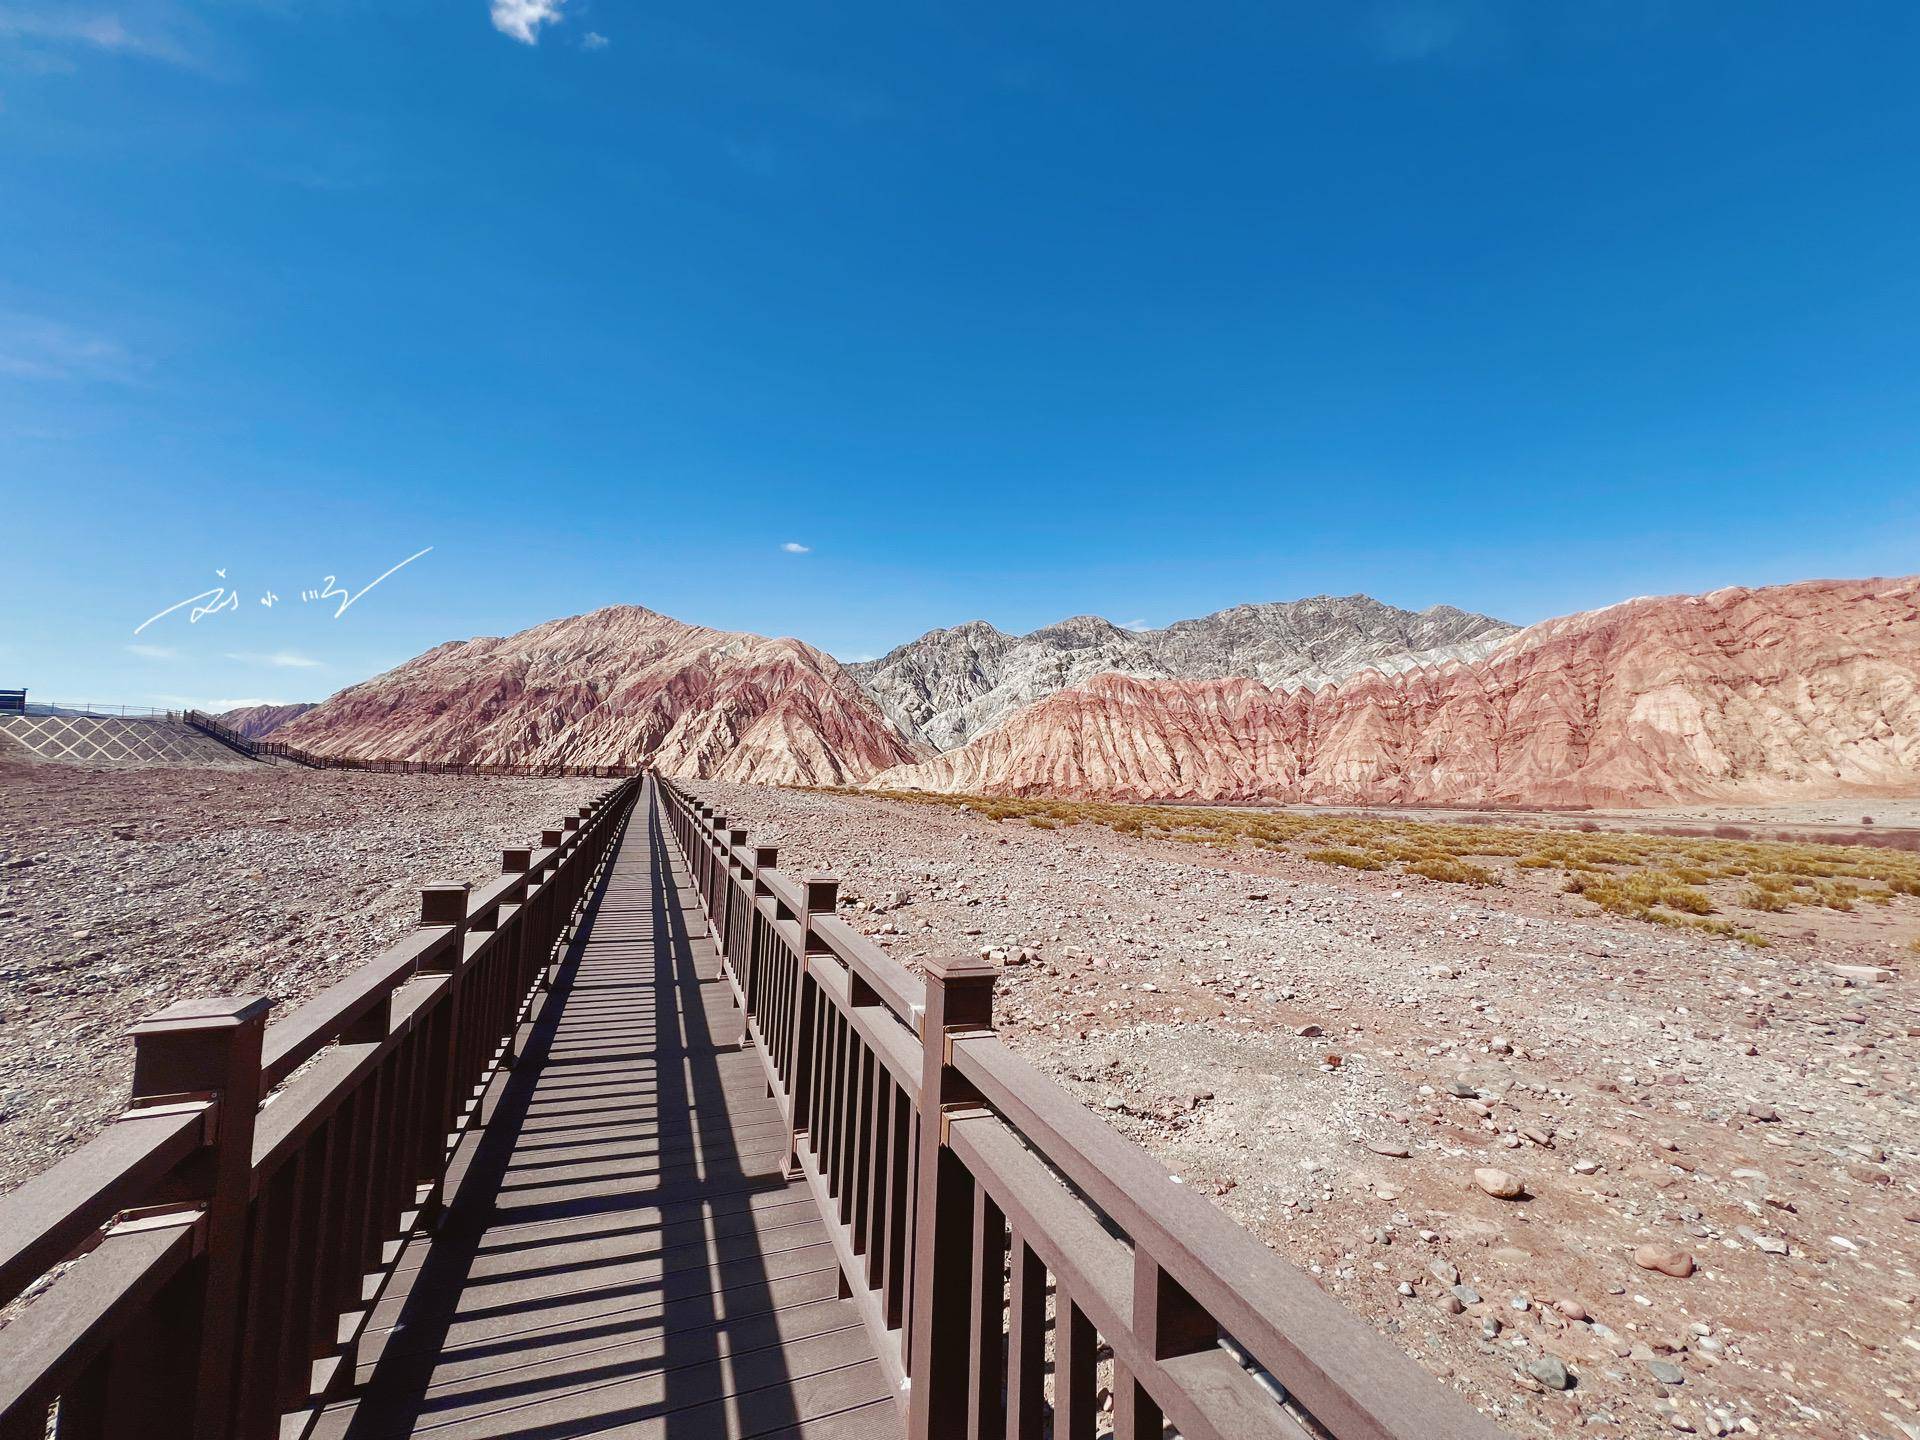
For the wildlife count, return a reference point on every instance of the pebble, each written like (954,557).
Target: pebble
(1666,1372)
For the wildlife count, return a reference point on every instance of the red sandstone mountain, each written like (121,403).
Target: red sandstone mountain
(619,686)
(255,721)
(1797,691)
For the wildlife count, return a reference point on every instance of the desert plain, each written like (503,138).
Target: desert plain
(1632,1172)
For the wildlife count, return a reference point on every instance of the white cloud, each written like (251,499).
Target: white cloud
(154,652)
(594,40)
(1137,625)
(522,19)
(794,547)
(212,707)
(34,348)
(280,659)
(156,35)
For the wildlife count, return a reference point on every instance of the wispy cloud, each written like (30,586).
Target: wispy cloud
(522,19)
(1136,625)
(154,652)
(35,348)
(794,547)
(594,40)
(1409,31)
(215,706)
(147,30)
(279,659)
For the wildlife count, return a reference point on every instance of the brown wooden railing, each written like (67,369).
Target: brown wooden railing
(280,750)
(228,1249)
(959,1184)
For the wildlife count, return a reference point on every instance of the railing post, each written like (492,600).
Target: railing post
(444,905)
(765,857)
(959,1001)
(197,1047)
(518,860)
(822,894)
(736,838)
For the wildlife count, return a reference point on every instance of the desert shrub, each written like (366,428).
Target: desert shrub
(1651,876)
(1352,859)
(1453,871)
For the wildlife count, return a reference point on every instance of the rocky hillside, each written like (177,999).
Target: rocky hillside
(254,721)
(949,685)
(1793,692)
(619,686)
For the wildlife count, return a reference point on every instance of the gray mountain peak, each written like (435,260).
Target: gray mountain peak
(949,685)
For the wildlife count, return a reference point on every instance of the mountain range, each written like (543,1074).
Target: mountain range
(949,685)
(1793,691)
(618,686)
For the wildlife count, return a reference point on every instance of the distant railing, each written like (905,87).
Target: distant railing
(955,1178)
(83,709)
(225,1245)
(280,750)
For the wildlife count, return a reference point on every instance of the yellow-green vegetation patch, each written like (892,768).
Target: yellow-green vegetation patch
(1453,871)
(1351,859)
(1661,878)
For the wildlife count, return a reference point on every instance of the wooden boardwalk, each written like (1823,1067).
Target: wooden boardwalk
(623,1251)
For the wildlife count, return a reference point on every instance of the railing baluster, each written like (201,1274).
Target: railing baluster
(1075,1378)
(1026,1343)
(986,1414)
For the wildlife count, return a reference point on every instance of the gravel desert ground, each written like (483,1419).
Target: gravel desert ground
(1714,1144)
(121,890)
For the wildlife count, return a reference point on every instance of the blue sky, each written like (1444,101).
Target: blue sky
(1007,311)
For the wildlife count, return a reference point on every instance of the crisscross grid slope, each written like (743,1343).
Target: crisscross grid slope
(112,740)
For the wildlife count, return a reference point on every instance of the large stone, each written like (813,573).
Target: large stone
(1666,1259)
(1551,1372)
(1501,1184)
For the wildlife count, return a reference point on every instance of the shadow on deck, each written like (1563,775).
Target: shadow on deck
(623,1250)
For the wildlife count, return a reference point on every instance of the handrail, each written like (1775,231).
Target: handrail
(232,1218)
(901,1101)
